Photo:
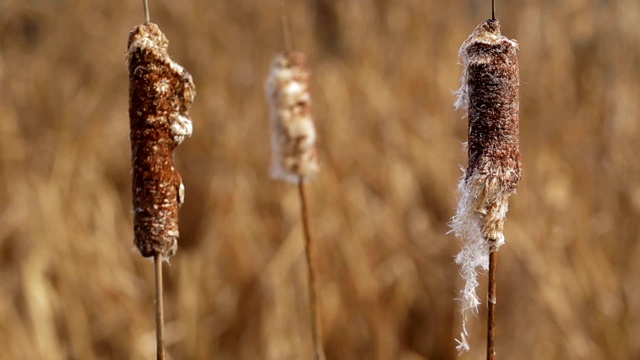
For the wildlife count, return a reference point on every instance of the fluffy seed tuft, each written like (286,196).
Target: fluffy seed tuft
(293,134)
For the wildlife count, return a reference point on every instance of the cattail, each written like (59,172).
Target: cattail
(489,93)
(293,139)
(160,94)
(293,134)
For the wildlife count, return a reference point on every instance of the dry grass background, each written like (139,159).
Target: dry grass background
(73,287)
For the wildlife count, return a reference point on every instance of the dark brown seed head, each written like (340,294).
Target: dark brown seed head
(490,93)
(492,96)
(160,94)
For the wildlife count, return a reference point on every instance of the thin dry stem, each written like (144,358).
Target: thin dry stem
(286,32)
(145,8)
(493,9)
(157,261)
(491,303)
(316,331)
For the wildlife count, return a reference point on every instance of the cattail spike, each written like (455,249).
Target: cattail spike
(295,159)
(293,134)
(160,94)
(490,94)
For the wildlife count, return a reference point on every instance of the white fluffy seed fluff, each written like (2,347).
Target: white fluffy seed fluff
(293,134)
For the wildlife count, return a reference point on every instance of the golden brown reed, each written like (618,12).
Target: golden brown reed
(490,94)
(70,287)
(160,95)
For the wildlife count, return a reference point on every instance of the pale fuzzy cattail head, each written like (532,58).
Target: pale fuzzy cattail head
(293,134)
(160,94)
(490,94)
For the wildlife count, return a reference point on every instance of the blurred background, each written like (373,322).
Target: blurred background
(72,285)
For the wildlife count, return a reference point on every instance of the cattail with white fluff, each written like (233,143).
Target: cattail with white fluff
(293,134)
(490,94)
(295,157)
(160,94)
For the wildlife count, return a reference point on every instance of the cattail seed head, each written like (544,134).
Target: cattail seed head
(160,94)
(293,134)
(490,94)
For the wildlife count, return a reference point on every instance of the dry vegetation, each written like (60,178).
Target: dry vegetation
(73,287)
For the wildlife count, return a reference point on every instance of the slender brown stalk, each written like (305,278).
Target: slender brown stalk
(145,8)
(157,260)
(286,33)
(491,303)
(493,9)
(313,306)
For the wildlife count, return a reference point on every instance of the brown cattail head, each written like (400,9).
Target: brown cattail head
(490,94)
(293,134)
(160,94)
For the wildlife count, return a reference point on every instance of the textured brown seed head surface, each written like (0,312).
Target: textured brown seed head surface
(490,93)
(160,94)
(493,97)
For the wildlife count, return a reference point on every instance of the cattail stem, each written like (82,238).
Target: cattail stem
(313,306)
(286,33)
(493,9)
(491,302)
(145,8)
(157,260)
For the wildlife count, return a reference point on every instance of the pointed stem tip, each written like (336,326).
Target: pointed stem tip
(493,9)
(145,7)
(286,32)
